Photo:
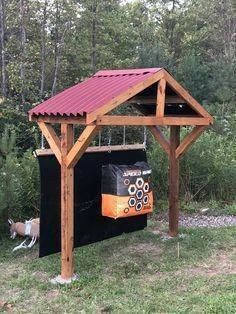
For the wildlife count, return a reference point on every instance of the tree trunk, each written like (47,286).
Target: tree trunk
(3,59)
(23,50)
(94,36)
(59,40)
(43,48)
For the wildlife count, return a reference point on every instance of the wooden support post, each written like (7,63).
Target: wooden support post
(161,90)
(67,204)
(174,181)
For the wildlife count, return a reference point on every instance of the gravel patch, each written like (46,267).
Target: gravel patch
(199,220)
(207,221)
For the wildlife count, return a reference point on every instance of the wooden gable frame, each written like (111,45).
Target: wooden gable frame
(68,153)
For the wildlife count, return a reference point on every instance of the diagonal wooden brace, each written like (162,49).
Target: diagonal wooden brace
(165,144)
(189,140)
(52,139)
(81,145)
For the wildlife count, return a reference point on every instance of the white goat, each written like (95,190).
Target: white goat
(30,229)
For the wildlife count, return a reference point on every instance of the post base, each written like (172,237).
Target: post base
(61,281)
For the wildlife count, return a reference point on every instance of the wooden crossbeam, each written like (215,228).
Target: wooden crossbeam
(81,145)
(132,91)
(126,120)
(189,140)
(186,96)
(150,120)
(51,138)
(159,136)
(161,89)
(152,100)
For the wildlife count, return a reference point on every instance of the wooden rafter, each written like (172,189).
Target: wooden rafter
(159,136)
(59,119)
(189,140)
(160,102)
(51,138)
(186,96)
(81,145)
(131,92)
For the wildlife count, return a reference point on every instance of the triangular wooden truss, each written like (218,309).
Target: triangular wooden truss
(68,153)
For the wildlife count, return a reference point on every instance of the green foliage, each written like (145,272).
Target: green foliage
(208,169)
(19,181)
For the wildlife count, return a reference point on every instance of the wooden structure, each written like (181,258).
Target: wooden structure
(160,101)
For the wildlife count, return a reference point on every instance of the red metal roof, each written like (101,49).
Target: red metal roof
(93,93)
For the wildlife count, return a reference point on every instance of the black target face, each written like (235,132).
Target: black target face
(139,194)
(139,206)
(146,187)
(132,189)
(132,202)
(145,199)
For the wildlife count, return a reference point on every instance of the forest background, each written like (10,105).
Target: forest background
(47,46)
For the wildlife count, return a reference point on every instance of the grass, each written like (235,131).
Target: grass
(134,273)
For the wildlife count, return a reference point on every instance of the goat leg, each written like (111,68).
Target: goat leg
(21,246)
(34,238)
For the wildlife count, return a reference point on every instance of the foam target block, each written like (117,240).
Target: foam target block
(126,190)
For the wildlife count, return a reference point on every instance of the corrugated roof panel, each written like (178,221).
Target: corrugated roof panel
(93,93)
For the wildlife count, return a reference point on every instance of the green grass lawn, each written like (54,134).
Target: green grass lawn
(134,273)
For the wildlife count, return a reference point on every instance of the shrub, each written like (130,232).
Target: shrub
(207,170)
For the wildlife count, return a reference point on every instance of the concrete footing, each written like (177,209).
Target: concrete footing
(62,281)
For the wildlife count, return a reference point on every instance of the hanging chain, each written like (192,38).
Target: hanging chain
(145,137)
(42,141)
(99,138)
(109,140)
(124,134)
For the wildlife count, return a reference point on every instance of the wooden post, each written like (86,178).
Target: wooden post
(174,181)
(67,204)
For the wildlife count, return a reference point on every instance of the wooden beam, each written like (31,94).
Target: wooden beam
(142,100)
(126,120)
(150,120)
(67,204)
(132,91)
(186,96)
(165,144)
(81,145)
(51,138)
(161,90)
(174,182)
(174,120)
(97,149)
(59,119)
(189,140)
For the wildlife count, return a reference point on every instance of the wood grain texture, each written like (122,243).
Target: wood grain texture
(159,136)
(174,181)
(51,138)
(161,90)
(67,204)
(189,140)
(150,120)
(81,145)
